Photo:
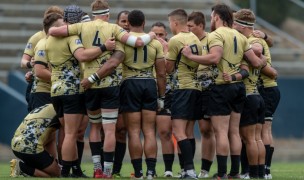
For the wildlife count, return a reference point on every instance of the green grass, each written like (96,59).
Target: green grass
(280,170)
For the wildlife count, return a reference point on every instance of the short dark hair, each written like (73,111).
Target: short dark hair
(49,20)
(122,12)
(136,18)
(224,12)
(159,24)
(181,14)
(197,17)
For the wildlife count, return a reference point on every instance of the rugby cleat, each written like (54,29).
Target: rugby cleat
(203,174)
(15,168)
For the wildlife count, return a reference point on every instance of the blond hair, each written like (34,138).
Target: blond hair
(99,5)
(53,9)
(244,17)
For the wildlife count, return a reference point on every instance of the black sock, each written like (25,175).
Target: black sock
(267,150)
(80,146)
(244,160)
(137,165)
(253,171)
(120,150)
(235,165)
(269,159)
(95,148)
(108,156)
(76,169)
(101,155)
(26,169)
(66,167)
(221,165)
(193,144)
(187,152)
(168,159)
(151,164)
(261,171)
(181,160)
(206,164)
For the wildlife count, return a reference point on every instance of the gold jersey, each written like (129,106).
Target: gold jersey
(34,131)
(265,80)
(139,62)
(32,42)
(205,73)
(252,80)
(185,73)
(234,45)
(65,67)
(39,85)
(95,33)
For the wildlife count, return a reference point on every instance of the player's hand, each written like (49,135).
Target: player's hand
(187,51)
(164,44)
(161,103)
(28,76)
(86,84)
(152,35)
(110,44)
(258,34)
(227,77)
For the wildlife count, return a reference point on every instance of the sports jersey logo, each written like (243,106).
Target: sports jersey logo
(41,53)
(28,46)
(122,30)
(205,48)
(77,41)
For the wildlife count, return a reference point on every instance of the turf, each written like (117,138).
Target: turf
(279,170)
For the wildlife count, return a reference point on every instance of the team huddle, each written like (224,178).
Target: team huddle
(124,82)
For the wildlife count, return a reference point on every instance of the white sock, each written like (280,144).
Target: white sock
(96,162)
(108,167)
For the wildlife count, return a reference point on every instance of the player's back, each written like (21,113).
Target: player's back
(139,62)
(234,46)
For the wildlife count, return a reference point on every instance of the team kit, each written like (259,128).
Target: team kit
(120,81)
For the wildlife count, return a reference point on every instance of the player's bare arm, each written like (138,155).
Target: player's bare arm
(160,76)
(42,72)
(61,31)
(269,71)
(242,74)
(266,37)
(105,70)
(254,60)
(26,61)
(213,57)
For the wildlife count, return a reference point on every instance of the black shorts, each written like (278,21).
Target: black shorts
(138,94)
(186,104)
(40,99)
(38,161)
(168,101)
(205,104)
(226,98)
(254,111)
(102,98)
(271,96)
(28,96)
(69,104)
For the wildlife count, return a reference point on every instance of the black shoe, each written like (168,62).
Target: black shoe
(79,176)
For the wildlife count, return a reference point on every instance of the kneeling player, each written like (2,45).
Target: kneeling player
(34,143)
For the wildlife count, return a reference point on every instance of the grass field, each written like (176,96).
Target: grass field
(280,170)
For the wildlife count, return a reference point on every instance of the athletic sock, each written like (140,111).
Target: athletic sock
(80,146)
(120,150)
(261,171)
(76,169)
(26,169)
(137,165)
(206,164)
(244,160)
(269,159)
(193,145)
(108,163)
(221,165)
(235,165)
(96,158)
(66,167)
(181,160)
(187,153)
(254,171)
(267,154)
(101,155)
(151,164)
(168,159)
